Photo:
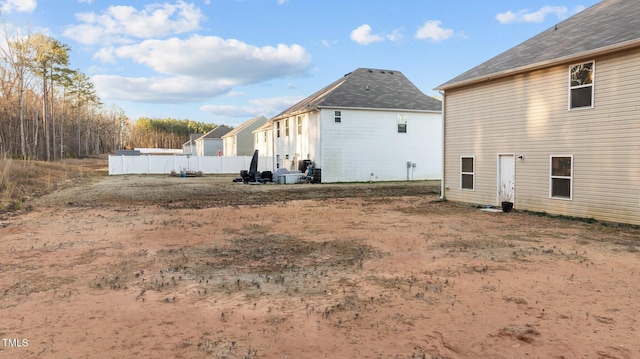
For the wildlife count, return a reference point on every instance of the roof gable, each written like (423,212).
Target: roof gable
(242,127)
(371,89)
(217,132)
(608,25)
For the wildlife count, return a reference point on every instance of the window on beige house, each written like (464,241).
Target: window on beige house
(581,85)
(286,128)
(467,172)
(561,176)
(278,129)
(299,119)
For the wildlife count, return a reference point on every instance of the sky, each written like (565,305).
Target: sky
(227,61)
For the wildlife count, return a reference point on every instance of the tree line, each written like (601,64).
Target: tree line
(50,111)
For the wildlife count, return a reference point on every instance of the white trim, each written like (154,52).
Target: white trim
(544,64)
(551,177)
(499,175)
(592,85)
(473,157)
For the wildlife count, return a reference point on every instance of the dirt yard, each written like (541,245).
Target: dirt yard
(167,267)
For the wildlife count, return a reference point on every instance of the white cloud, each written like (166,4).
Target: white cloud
(120,24)
(214,57)
(266,106)
(200,67)
(395,36)
(432,30)
(105,55)
(8,6)
(176,89)
(527,16)
(362,35)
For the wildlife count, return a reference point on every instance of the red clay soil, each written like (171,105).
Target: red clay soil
(162,267)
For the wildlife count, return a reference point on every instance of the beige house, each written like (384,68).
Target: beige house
(554,122)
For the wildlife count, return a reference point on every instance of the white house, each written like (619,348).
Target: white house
(239,141)
(189,147)
(263,139)
(210,144)
(369,125)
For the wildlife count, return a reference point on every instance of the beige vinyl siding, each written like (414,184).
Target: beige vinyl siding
(528,115)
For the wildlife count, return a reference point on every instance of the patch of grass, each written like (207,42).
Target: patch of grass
(22,180)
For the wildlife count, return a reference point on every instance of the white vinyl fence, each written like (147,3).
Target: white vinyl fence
(124,165)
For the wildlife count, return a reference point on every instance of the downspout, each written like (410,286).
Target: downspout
(273,147)
(443,197)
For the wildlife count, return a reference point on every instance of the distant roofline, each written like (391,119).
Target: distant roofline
(622,46)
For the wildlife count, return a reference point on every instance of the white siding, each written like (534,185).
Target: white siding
(527,115)
(263,143)
(208,146)
(229,143)
(296,146)
(367,142)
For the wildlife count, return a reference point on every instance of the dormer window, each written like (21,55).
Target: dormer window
(581,78)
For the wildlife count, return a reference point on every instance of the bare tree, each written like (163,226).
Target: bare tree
(50,54)
(18,54)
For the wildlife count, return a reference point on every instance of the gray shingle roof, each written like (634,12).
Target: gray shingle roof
(608,25)
(368,88)
(244,125)
(217,132)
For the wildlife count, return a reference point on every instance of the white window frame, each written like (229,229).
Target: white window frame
(473,173)
(278,129)
(286,127)
(592,85)
(402,121)
(299,124)
(337,116)
(552,177)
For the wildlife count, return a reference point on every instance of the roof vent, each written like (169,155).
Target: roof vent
(370,71)
(381,71)
(391,72)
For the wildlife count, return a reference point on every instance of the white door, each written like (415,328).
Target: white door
(506,178)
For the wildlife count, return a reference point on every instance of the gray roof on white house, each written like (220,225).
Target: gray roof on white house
(246,124)
(217,132)
(607,26)
(368,89)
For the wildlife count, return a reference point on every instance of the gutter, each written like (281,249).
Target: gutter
(442,186)
(377,109)
(544,64)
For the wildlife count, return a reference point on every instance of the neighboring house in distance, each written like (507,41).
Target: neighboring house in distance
(240,140)
(369,125)
(555,120)
(189,147)
(210,144)
(263,140)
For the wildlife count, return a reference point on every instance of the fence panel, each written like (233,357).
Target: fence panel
(122,165)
